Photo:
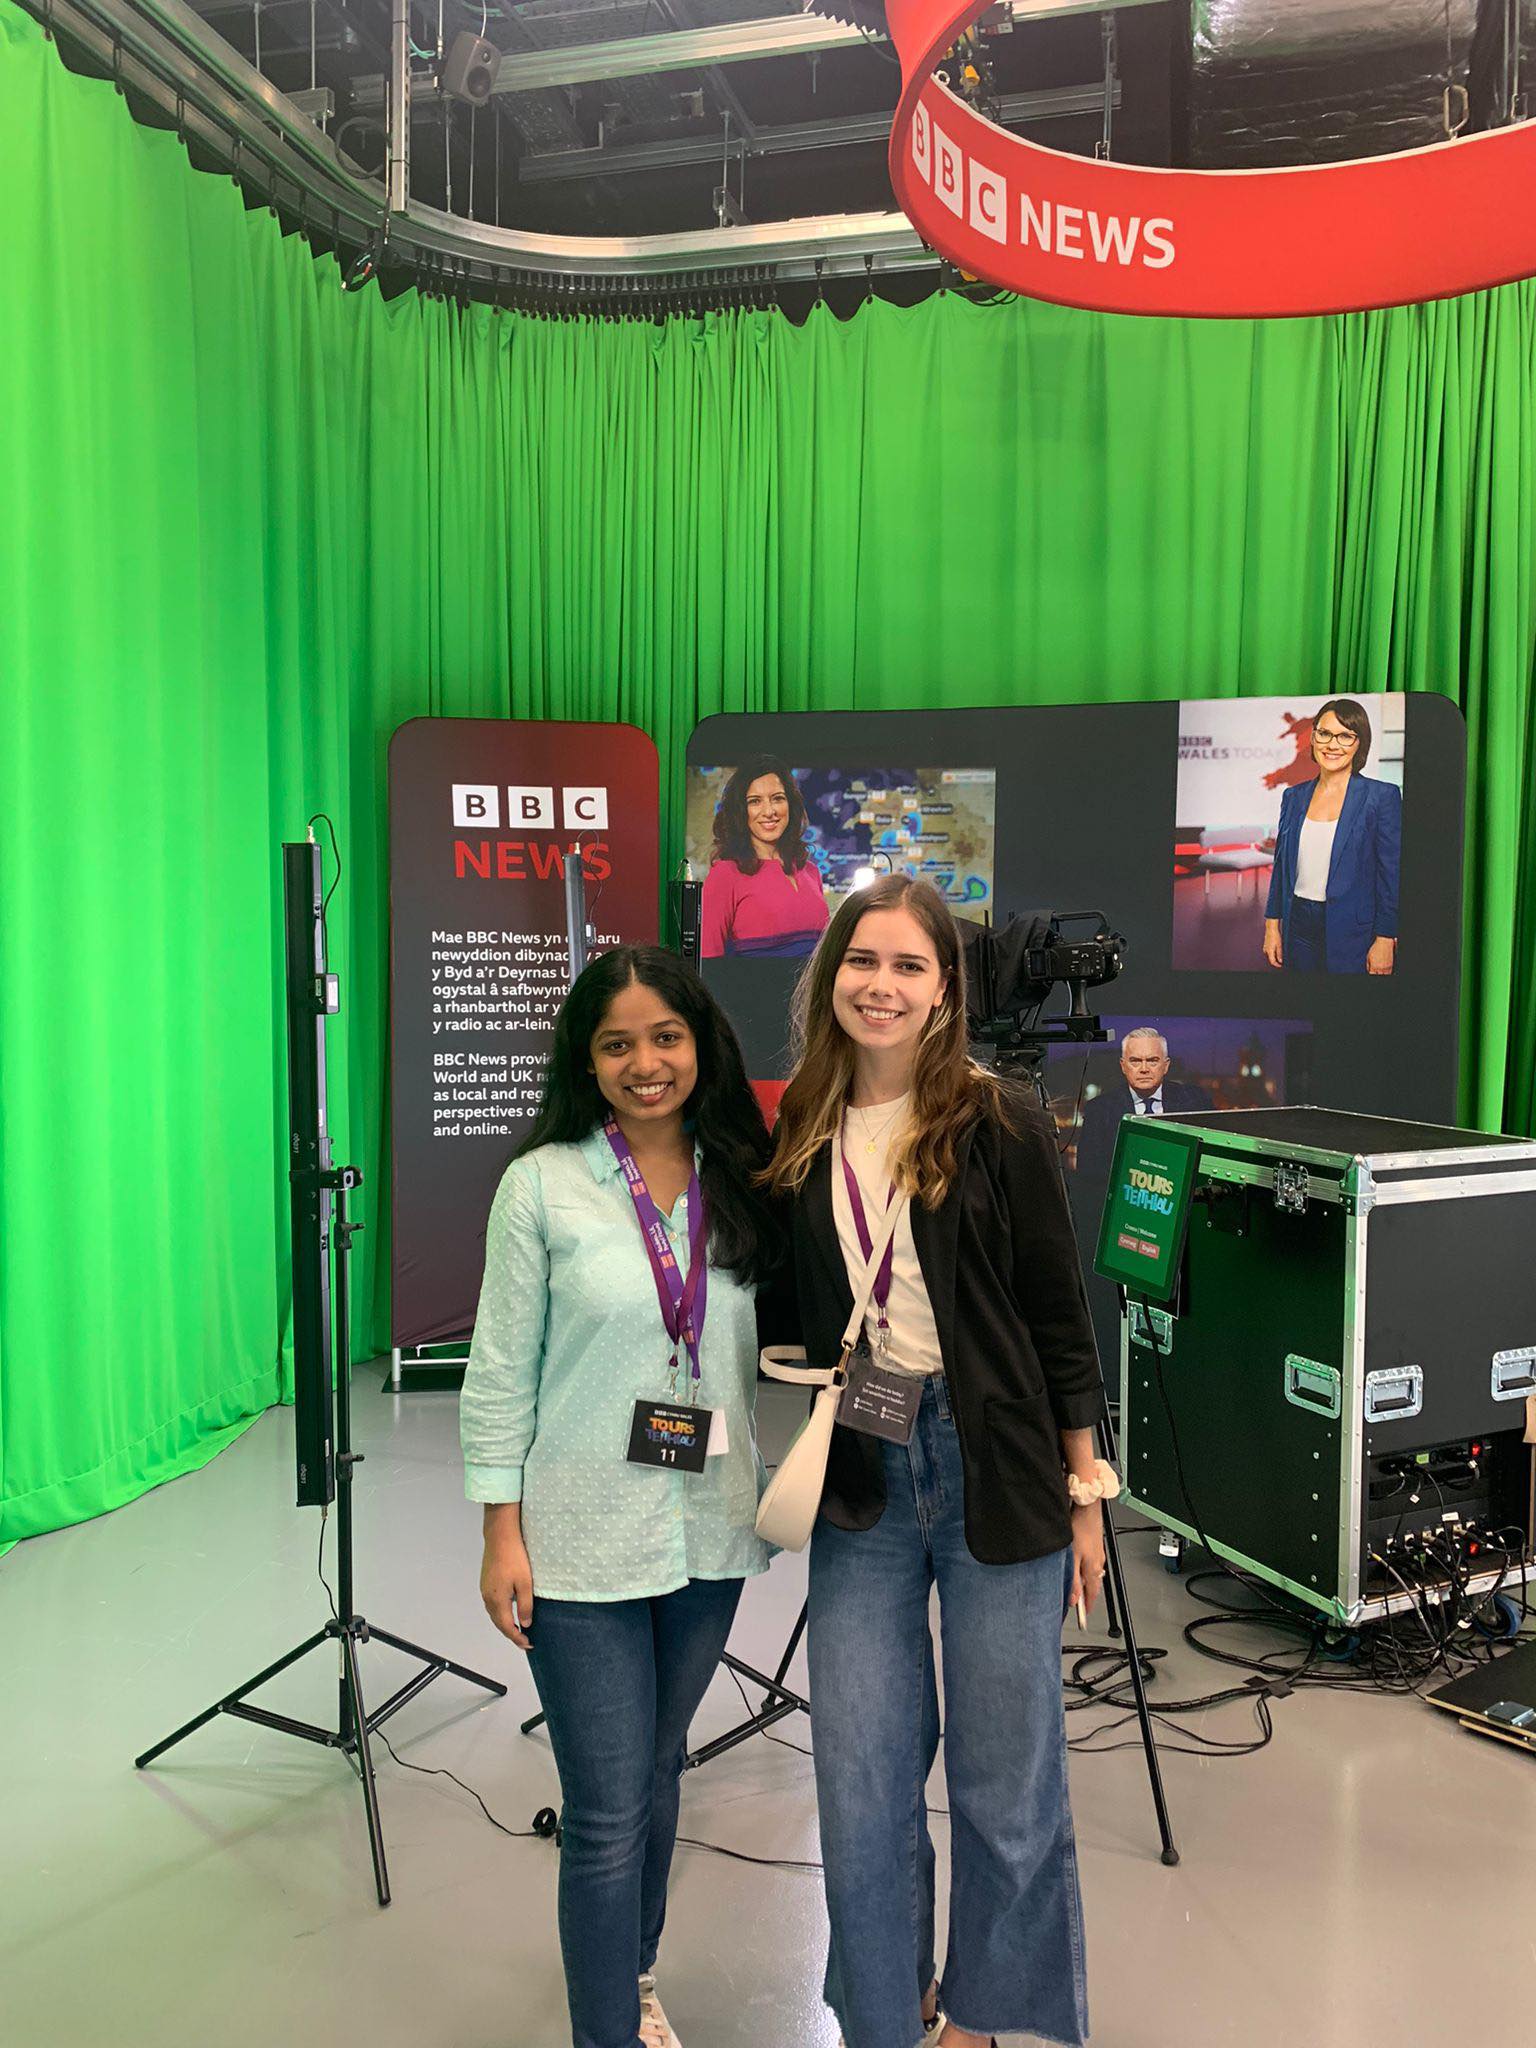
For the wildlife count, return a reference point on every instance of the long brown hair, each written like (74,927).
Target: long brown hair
(733,834)
(950,1092)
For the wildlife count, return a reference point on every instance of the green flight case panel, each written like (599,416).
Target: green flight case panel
(1357,1302)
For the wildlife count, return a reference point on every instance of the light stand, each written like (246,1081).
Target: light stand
(319,1196)
(1026,1058)
(779,1700)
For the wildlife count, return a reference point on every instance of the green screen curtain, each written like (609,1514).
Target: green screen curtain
(252,523)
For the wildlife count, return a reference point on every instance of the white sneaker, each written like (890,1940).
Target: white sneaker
(655,2027)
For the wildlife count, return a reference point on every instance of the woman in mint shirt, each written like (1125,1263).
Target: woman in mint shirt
(607,1425)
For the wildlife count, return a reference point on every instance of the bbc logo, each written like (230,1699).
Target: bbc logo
(531,807)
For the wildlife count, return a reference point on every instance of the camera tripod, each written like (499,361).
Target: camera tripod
(346,1628)
(1026,1061)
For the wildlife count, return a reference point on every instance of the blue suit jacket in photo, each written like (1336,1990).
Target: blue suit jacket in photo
(1362,874)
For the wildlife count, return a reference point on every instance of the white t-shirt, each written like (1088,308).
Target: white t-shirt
(914,1336)
(1314,857)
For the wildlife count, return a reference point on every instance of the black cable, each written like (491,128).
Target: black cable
(782,1740)
(437,1771)
(1383,1657)
(1221,1564)
(1077,1107)
(323,818)
(741,1856)
(320,1565)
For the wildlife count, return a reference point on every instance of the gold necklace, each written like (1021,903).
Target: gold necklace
(871,1143)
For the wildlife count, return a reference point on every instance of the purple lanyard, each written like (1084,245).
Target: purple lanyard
(882,1287)
(683,1302)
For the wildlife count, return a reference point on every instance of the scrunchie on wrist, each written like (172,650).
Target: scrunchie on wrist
(1104,1485)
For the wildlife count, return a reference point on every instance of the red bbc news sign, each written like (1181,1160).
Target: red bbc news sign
(1323,238)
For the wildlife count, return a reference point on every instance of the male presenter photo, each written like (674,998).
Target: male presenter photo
(1147,1091)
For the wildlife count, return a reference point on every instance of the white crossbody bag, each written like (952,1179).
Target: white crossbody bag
(787,1511)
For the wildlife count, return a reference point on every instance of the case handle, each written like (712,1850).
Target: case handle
(1394,1394)
(1317,1388)
(1514,1374)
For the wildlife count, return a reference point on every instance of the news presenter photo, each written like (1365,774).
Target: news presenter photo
(1147,1089)
(1333,892)
(763,894)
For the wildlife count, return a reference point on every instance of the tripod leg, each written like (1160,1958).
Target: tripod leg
(382,1635)
(1111,1606)
(365,1768)
(534,1721)
(222,1706)
(794,1641)
(1138,1687)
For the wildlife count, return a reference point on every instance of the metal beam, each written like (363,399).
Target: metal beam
(833,244)
(837,132)
(398,160)
(683,49)
(163,51)
(731,42)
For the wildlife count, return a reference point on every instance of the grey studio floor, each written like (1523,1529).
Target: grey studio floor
(1367,1878)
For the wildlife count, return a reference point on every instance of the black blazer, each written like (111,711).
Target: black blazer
(1000,1262)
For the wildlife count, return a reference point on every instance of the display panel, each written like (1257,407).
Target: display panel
(1146,1212)
(1087,804)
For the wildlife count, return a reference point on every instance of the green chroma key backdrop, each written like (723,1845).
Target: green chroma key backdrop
(253,523)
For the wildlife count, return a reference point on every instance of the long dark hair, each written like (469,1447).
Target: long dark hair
(733,835)
(727,1123)
(950,1092)
(1352,717)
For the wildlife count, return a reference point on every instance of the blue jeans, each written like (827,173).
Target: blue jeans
(619,1681)
(1015,1958)
(1306,937)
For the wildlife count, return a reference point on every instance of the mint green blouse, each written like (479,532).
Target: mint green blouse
(568,1337)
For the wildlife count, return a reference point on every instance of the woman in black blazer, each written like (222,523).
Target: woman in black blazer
(979,1332)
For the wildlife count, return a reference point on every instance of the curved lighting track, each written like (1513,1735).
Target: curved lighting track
(1430,223)
(162,51)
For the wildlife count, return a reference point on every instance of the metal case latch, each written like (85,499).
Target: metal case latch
(1292,1186)
(1395,1394)
(1514,1374)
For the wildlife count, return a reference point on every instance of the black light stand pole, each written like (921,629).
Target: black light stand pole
(1109,1450)
(320,1193)
(347,1628)
(1117,1609)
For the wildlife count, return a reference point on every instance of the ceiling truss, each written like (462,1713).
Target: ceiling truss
(169,55)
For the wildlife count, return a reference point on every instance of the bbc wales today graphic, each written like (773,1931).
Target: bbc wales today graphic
(1283,799)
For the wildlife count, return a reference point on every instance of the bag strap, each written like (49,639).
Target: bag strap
(787,1361)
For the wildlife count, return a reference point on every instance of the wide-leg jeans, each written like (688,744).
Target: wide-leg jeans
(619,1682)
(1015,1949)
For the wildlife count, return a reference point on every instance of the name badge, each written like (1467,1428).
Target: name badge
(669,1437)
(879,1401)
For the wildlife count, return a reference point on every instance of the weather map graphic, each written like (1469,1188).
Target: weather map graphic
(935,822)
(939,823)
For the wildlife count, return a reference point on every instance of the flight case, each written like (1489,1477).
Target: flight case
(1350,1360)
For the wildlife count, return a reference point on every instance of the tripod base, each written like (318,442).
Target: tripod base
(779,1700)
(354,1723)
